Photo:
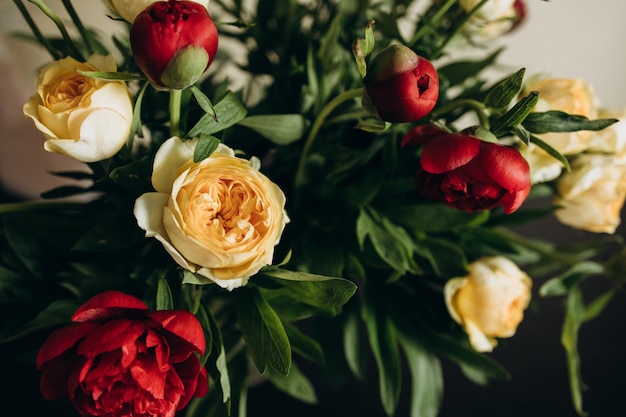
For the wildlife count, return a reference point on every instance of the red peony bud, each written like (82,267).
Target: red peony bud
(400,86)
(468,173)
(174,42)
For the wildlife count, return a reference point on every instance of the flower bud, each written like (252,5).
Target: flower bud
(174,42)
(400,86)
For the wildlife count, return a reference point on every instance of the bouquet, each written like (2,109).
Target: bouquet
(281,189)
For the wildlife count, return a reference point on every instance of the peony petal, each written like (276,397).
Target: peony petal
(115,334)
(62,340)
(506,166)
(449,152)
(513,201)
(107,305)
(183,324)
(421,134)
(148,376)
(55,377)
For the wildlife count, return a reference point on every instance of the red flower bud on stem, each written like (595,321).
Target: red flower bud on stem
(174,42)
(400,86)
(468,173)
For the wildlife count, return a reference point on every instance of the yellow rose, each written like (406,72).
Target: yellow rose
(129,9)
(573,96)
(613,138)
(494,18)
(86,119)
(219,218)
(592,194)
(490,301)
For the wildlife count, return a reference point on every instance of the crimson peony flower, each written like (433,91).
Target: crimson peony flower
(174,42)
(120,359)
(400,86)
(468,173)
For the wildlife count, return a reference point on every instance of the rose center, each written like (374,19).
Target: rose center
(68,92)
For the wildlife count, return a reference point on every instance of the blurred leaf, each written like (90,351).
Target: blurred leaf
(353,339)
(426,379)
(263,331)
(563,283)
(134,176)
(295,384)
(392,243)
(457,72)
(558,121)
(164,298)
(111,76)
(383,341)
(430,217)
(304,345)
(218,352)
(574,311)
(55,314)
(362,48)
(280,129)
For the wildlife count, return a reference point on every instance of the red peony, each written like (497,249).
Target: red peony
(174,42)
(468,173)
(400,86)
(120,359)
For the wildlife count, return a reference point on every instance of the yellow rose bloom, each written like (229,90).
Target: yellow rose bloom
(490,301)
(81,117)
(220,218)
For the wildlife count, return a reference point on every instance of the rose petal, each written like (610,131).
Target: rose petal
(506,166)
(107,305)
(112,335)
(183,324)
(62,340)
(449,152)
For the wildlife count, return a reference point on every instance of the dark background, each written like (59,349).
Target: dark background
(534,357)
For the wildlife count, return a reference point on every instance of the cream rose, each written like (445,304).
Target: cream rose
(592,194)
(129,9)
(490,301)
(219,218)
(494,18)
(81,117)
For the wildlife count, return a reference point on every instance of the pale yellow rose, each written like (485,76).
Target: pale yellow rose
(494,18)
(489,302)
(220,218)
(572,96)
(613,138)
(592,194)
(129,9)
(81,117)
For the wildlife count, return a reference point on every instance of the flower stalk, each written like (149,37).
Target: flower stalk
(174,108)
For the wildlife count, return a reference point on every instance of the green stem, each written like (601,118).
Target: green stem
(57,21)
(476,106)
(432,22)
(317,124)
(36,32)
(37,206)
(79,25)
(175,102)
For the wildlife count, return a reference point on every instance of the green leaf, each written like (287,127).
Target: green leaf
(316,290)
(263,331)
(136,125)
(574,311)
(218,352)
(280,129)
(164,298)
(456,73)
(383,341)
(230,110)
(516,115)
(295,384)
(392,243)
(304,345)
(134,176)
(206,145)
(501,94)
(362,48)
(55,314)
(204,102)
(426,379)
(433,217)
(558,121)
(561,284)
(111,76)
(596,307)
(353,339)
